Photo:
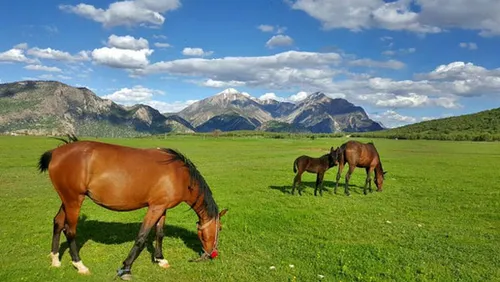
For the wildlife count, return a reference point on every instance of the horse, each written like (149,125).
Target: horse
(314,165)
(121,178)
(362,155)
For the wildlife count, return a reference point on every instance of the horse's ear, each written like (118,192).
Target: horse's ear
(223,212)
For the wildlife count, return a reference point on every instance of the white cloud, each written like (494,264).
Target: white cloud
(126,13)
(15,55)
(21,46)
(134,95)
(266,28)
(269,28)
(196,52)
(271,96)
(127,42)
(299,96)
(468,45)
(42,68)
(143,95)
(122,58)
(159,36)
(401,51)
(162,45)
(222,84)
(391,118)
(166,107)
(279,40)
(432,16)
(52,54)
(390,64)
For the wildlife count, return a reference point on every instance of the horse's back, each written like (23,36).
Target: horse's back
(114,176)
(361,154)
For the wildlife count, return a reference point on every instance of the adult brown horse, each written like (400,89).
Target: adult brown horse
(122,178)
(358,154)
(314,165)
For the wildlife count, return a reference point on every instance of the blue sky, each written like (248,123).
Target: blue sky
(403,61)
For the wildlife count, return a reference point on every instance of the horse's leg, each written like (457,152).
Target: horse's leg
(369,172)
(152,217)
(295,180)
(339,173)
(59,220)
(158,256)
(298,180)
(367,180)
(319,183)
(72,210)
(347,177)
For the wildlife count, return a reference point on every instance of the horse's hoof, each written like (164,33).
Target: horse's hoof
(126,277)
(55,260)
(82,269)
(163,263)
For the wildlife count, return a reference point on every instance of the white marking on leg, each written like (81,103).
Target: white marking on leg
(55,259)
(162,263)
(82,269)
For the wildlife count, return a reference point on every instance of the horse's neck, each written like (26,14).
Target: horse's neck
(196,204)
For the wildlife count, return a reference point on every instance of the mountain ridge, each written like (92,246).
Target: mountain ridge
(52,107)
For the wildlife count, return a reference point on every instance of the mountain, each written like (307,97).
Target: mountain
(51,107)
(227,102)
(480,126)
(320,113)
(231,110)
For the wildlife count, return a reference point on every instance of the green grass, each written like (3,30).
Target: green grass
(436,220)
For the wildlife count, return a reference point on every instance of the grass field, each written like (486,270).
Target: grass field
(436,220)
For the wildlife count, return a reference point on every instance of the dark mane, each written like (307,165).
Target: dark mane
(196,177)
(71,139)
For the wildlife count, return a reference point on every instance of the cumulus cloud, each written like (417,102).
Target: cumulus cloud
(143,95)
(42,68)
(390,64)
(468,45)
(196,52)
(162,45)
(429,16)
(134,95)
(222,84)
(126,13)
(53,54)
(271,96)
(15,55)
(401,51)
(122,58)
(391,118)
(270,28)
(21,46)
(127,42)
(279,40)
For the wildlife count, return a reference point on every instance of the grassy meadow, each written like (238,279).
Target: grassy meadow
(436,220)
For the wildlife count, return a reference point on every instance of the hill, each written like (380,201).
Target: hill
(481,126)
(54,108)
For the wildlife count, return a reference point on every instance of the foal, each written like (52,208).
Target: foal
(314,165)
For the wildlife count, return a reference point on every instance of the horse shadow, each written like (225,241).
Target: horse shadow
(113,233)
(327,186)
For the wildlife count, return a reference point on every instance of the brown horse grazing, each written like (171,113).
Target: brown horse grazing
(314,165)
(358,154)
(122,178)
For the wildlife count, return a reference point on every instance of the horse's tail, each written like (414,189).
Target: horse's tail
(43,163)
(295,165)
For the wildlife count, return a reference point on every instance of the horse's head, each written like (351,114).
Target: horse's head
(208,233)
(379,180)
(334,153)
